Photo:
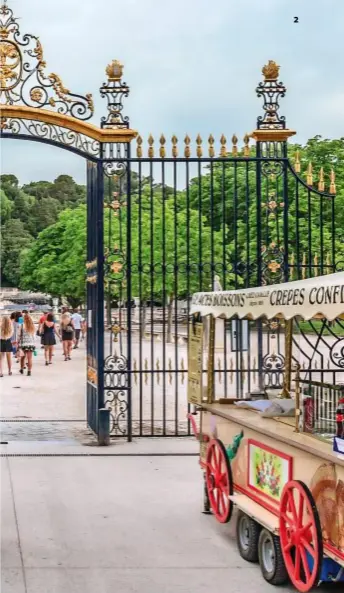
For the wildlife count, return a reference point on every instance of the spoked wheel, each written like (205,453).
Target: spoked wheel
(300,534)
(219,481)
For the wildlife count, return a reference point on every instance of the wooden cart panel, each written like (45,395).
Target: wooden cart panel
(270,454)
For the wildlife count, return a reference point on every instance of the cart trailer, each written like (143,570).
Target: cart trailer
(287,484)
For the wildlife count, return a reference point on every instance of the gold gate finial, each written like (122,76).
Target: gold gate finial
(271,126)
(271,71)
(114,70)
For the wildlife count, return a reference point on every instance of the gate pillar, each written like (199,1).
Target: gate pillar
(271,138)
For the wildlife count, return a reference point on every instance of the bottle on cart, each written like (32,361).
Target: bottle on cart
(340,419)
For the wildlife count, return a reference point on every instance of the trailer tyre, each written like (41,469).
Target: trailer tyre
(271,558)
(247,537)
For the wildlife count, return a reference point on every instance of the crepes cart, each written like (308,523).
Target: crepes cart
(287,484)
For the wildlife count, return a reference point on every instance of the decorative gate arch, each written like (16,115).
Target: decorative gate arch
(37,106)
(173,225)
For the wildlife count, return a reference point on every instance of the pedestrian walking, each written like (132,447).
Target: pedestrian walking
(40,326)
(15,326)
(26,343)
(83,330)
(67,332)
(77,321)
(48,338)
(6,332)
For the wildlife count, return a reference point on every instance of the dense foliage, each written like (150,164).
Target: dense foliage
(44,228)
(26,211)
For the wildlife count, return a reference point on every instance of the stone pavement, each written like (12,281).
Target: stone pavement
(76,518)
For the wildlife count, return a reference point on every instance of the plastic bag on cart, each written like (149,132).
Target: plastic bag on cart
(270,408)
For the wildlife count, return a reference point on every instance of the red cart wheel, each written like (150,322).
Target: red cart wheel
(219,481)
(300,535)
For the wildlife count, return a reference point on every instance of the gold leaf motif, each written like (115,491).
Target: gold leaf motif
(297,164)
(211,146)
(199,151)
(223,149)
(162,150)
(139,147)
(321,183)
(59,87)
(10,65)
(36,95)
(234,147)
(174,146)
(151,147)
(274,266)
(187,150)
(271,71)
(116,267)
(310,174)
(246,147)
(332,182)
(114,71)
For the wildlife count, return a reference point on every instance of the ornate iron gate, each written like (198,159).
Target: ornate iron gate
(165,223)
(242,218)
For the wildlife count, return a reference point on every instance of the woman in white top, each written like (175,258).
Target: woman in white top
(27,343)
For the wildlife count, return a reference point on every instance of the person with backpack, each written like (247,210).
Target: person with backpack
(67,333)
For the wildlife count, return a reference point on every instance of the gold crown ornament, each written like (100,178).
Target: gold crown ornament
(271,71)
(114,70)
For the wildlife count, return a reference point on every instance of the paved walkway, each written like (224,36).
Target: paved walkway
(76,518)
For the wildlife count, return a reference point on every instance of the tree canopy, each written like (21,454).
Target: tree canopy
(26,211)
(173,247)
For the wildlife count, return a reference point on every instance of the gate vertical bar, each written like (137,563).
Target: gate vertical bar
(99,209)
(259,260)
(129,295)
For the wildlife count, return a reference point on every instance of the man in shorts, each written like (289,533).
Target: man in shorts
(77,320)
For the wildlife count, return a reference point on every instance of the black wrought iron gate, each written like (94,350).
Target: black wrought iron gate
(228,217)
(163,223)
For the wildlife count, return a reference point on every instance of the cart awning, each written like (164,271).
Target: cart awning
(313,298)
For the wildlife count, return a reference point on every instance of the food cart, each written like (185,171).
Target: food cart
(287,484)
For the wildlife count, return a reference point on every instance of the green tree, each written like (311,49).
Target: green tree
(173,251)
(55,263)
(14,239)
(5,206)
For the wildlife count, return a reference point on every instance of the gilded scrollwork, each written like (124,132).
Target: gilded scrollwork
(54,133)
(22,74)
